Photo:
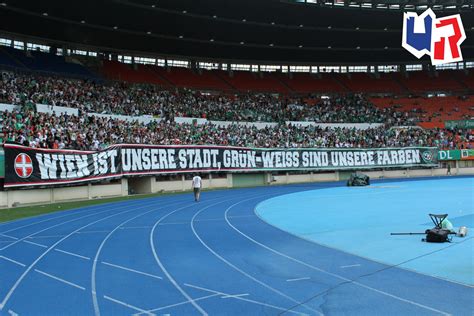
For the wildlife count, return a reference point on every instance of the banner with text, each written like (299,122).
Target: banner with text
(26,166)
(456,154)
(461,124)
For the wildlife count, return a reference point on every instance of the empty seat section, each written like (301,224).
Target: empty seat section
(362,82)
(421,81)
(467,79)
(248,81)
(53,63)
(7,60)
(307,83)
(148,74)
(43,62)
(448,79)
(133,73)
(183,77)
(438,109)
(18,56)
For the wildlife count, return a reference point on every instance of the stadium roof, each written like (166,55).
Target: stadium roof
(226,30)
(407,5)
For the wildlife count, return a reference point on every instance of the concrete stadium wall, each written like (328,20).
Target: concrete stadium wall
(240,180)
(64,194)
(163,186)
(45,196)
(462,171)
(301,178)
(106,190)
(7,107)
(185,185)
(52,109)
(4,199)
(145,185)
(221,183)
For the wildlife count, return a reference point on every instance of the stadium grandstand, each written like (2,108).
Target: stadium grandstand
(120,98)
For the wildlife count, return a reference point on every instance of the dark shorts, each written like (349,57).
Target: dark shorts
(197,190)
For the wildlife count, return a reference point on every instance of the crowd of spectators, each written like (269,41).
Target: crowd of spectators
(132,99)
(84,132)
(28,127)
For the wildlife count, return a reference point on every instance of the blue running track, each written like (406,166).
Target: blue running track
(234,253)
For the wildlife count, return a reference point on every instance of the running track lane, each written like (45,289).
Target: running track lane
(173,256)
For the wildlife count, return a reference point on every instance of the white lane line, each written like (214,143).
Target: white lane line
(94,232)
(32,265)
(11,237)
(138,309)
(132,270)
(330,273)
(350,266)
(242,216)
(402,299)
(135,227)
(13,261)
(54,216)
(208,220)
(12,313)
(56,225)
(72,254)
(60,280)
(180,303)
(298,279)
(235,295)
(174,223)
(95,300)
(244,299)
(163,268)
(35,244)
(187,223)
(46,236)
(233,266)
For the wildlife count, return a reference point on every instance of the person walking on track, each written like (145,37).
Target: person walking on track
(197,184)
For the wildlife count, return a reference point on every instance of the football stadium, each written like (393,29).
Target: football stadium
(252,157)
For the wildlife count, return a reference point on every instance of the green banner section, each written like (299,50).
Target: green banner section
(457,154)
(463,124)
(2,163)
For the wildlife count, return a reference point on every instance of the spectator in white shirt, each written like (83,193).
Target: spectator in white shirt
(197,184)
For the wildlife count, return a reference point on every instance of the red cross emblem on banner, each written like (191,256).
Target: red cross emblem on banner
(23,166)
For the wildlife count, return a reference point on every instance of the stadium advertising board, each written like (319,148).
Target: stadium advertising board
(461,124)
(26,166)
(457,154)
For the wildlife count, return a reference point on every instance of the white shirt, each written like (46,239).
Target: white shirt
(197,182)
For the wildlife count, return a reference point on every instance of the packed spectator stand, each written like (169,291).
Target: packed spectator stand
(241,97)
(133,99)
(92,133)
(45,130)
